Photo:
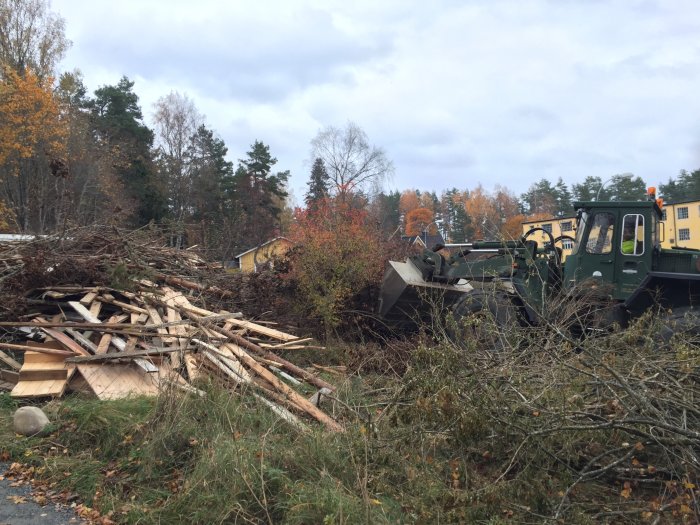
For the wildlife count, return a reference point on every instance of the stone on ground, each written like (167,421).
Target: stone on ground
(29,421)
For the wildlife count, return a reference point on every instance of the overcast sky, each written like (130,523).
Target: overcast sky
(456,92)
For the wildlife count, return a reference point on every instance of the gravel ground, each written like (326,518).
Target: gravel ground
(29,512)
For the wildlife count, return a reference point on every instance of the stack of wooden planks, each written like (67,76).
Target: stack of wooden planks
(115,343)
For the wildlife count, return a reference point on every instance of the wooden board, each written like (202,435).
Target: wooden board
(42,375)
(116,381)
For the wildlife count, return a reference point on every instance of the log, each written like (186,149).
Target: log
(287,391)
(300,372)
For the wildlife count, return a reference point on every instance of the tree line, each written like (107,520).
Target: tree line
(71,158)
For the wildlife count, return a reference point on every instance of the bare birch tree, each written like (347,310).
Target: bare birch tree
(176,121)
(353,164)
(31,36)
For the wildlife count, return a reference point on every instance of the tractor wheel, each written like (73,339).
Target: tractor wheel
(484,320)
(681,321)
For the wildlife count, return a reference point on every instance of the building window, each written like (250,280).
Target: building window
(663,215)
(566,226)
(547,228)
(683,212)
(566,244)
(684,234)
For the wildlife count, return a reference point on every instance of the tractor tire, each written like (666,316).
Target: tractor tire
(484,320)
(683,321)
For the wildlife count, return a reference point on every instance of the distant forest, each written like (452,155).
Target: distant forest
(72,158)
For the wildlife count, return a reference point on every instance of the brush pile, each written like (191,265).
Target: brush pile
(121,314)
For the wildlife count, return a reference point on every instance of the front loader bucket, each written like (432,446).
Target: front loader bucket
(406,298)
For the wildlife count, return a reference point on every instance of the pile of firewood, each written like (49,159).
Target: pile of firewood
(141,339)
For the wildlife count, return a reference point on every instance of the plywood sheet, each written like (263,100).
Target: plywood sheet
(115,381)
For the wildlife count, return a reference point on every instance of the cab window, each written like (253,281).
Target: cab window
(632,240)
(601,234)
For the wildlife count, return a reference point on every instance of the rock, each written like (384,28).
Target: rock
(29,421)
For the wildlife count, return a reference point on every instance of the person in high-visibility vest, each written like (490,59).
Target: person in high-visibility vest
(628,240)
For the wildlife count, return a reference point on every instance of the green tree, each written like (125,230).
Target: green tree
(118,122)
(671,191)
(541,198)
(212,203)
(457,222)
(384,210)
(588,190)
(627,187)
(318,185)
(563,198)
(260,195)
(461,229)
(685,187)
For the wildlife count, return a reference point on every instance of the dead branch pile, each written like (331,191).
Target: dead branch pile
(100,256)
(76,332)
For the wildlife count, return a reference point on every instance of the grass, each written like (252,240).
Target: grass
(463,436)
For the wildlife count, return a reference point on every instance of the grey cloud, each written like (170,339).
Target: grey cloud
(258,60)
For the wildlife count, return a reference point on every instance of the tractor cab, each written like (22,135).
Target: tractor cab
(615,246)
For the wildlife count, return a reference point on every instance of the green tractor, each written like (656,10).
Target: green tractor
(616,257)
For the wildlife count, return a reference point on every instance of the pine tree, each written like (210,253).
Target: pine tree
(563,198)
(260,195)
(318,185)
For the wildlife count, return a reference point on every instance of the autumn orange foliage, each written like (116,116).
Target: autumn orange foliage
(419,220)
(31,119)
(339,253)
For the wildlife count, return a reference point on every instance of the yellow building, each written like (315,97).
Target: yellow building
(557,226)
(681,227)
(256,258)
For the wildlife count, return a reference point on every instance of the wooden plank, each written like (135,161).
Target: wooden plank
(89,297)
(290,367)
(81,339)
(124,306)
(192,367)
(42,375)
(118,342)
(9,377)
(84,312)
(173,298)
(156,319)
(264,330)
(95,308)
(226,356)
(151,352)
(292,343)
(103,345)
(9,361)
(64,340)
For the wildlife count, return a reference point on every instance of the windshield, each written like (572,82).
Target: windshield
(580,227)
